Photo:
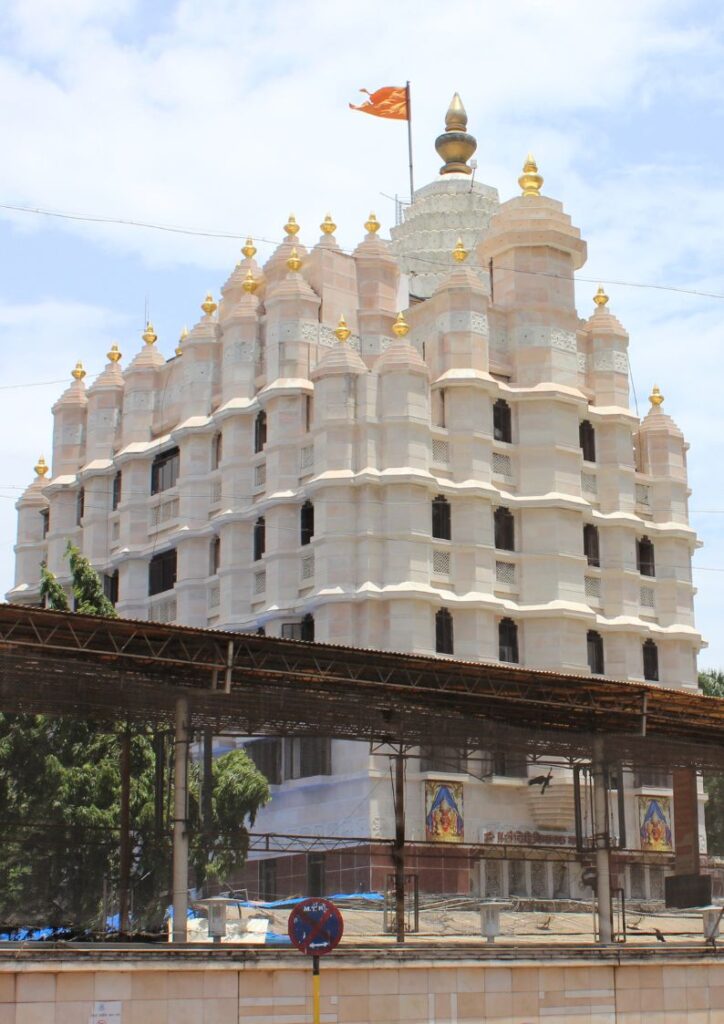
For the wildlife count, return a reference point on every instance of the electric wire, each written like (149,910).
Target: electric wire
(207,233)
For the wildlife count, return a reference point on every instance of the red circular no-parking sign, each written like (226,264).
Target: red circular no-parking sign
(315,926)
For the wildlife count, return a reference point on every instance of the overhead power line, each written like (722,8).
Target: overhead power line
(210,233)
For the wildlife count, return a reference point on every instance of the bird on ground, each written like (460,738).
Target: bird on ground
(659,935)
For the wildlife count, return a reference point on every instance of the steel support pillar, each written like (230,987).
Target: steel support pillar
(602,843)
(398,850)
(180,824)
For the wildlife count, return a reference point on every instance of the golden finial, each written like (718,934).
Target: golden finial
(208,305)
(459,253)
(400,327)
(149,335)
(114,356)
(182,338)
(530,180)
(78,372)
(343,332)
(41,467)
(328,227)
(456,119)
(291,227)
(248,249)
(249,284)
(455,146)
(294,263)
(372,224)
(600,298)
(656,398)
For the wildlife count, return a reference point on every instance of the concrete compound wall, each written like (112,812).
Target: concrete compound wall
(379,989)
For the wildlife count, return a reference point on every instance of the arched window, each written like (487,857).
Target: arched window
(504,529)
(594,642)
(443,632)
(590,544)
(438,405)
(217,446)
(587,441)
(306,522)
(259,432)
(162,572)
(307,631)
(259,538)
(116,491)
(441,517)
(165,470)
(508,641)
(502,429)
(645,557)
(214,556)
(651,661)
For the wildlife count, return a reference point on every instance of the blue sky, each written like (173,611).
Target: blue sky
(229,115)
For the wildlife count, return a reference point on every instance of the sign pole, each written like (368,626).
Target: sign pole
(315,990)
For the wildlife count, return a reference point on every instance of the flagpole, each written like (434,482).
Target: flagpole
(409,138)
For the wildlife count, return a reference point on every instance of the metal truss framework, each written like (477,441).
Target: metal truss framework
(62,663)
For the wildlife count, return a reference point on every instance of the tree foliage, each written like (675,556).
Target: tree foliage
(712,684)
(60,807)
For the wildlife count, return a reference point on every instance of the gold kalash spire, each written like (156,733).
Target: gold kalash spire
(455,146)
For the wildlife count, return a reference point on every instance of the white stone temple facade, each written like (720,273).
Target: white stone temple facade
(466,479)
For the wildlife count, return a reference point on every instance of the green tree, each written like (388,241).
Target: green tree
(712,684)
(60,810)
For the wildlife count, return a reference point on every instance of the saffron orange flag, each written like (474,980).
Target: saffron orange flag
(390,101)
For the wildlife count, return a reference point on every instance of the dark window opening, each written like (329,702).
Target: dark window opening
(164,470)
(307,413)
(502,423)
(306,522)
(645,557)
(594,642)
(439,406)
(259,538)
(441,520)
(162,572)
(45,516)
(268,879)
(79,506)
(315,874)
(508,641)
(653,778)
(302,630)
(443,632)
(110,586)
(590,544)
(510,765)
(217,447)
(259,432)
(305,756)
(443,759)
(651,661)
(504,529)
(214,556)
(587,441)
(116,491)
(267,756)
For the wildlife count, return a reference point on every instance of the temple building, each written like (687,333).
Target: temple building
(418,445)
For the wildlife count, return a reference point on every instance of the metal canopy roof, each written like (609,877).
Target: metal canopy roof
(61,663)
